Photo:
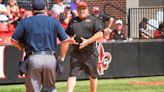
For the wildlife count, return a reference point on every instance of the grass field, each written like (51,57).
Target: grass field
(143,84)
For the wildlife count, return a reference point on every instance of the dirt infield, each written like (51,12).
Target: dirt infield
(156,83)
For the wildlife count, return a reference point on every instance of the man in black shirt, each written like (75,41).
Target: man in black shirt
(84,56)
(117,33)
(103,18)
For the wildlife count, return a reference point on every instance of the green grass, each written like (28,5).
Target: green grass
(104,85)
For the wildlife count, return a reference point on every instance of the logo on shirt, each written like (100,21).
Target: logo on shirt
(87,20)
(104,60)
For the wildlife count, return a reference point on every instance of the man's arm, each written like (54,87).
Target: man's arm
(108,18)
(86,42)
(111,19)
(63,49)
(108,30)
(65,45)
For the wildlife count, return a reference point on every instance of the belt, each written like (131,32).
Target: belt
(41,52)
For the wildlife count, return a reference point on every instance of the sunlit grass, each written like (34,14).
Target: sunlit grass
(104,85)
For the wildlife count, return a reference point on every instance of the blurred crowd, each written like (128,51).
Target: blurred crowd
(150,28)
(10,15)
(64,11)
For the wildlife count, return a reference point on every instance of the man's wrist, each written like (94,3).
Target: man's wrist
(89,41)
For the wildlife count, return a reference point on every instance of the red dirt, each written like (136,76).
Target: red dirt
(156,83)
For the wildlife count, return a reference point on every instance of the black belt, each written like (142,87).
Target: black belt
(41,52)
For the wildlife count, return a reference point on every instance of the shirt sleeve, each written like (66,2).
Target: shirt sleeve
(61,34)
(106,17)
(97,25)
(19,31)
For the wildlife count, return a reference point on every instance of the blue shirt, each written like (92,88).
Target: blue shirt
(39,33)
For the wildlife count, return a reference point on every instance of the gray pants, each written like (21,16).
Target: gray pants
(41,73)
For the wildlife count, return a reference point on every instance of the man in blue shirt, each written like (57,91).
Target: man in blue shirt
(38,35)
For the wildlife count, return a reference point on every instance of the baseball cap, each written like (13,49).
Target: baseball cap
(38,5)
(22,10)
(119,22)
(145,20)
(82,5)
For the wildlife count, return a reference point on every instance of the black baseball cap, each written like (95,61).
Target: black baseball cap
(38,5)
(145,20)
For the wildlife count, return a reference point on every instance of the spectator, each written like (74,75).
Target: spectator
(3,12)
(28,13)
(3,18)
(13,10)
(103,18)
(161,27)
(22,13)
(159,34)
(60,11)
(143,32)
(73,6)
(65,17)
(117,33)
(57,8)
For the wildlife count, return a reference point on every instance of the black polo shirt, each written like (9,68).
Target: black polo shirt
(103,18)
(83,28)
(117,36)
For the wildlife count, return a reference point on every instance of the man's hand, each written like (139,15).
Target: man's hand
(94,38)
(107,32)
(84,43)
(59,65)
(72,40)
